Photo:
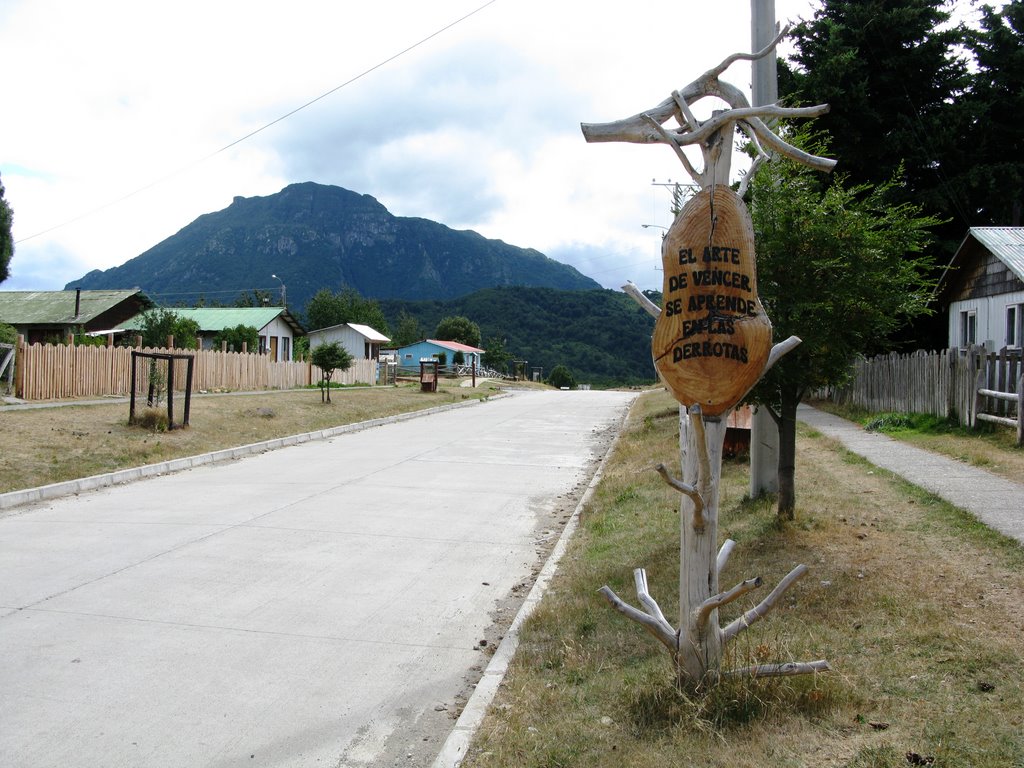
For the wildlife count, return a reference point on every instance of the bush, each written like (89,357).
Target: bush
(152,419)
(562,377)
(8,335)
(236,337)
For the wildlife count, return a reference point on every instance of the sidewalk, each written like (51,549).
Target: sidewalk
(997,502)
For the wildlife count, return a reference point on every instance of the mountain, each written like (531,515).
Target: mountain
(603,336)
(314,236)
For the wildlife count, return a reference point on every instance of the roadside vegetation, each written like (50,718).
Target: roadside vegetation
(51,445)
(915,605)
(990,446)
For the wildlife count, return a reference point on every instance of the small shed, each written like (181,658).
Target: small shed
(982,289)
(360,341)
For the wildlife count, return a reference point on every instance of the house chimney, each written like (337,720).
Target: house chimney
(78,301)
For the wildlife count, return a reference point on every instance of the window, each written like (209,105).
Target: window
(968,328)
(1014,329)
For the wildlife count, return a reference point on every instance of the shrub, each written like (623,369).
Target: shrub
(561,377)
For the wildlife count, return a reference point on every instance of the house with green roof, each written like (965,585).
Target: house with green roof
(276,326)
(50,316)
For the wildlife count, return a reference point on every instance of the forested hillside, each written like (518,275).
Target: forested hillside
(602,336)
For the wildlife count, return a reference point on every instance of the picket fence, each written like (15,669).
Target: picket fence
(942,383)
(50,372)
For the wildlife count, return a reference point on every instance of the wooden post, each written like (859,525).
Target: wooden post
(1020,411)
(170,341)
(710,348)
(764,453)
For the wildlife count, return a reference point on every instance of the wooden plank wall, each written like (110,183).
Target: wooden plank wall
(50,372)
(940,383)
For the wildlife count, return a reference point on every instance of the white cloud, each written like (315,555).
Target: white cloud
(120,108)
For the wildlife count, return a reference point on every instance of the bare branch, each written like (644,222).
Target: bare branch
(764,133)
(660,630)
(717,601)
(672,142)
(759,611)
(749,175)
(723,554)
(644,596)
(686,116)
(779,350)
(781,670)
(686,490)
(646,304)
(704,478)
(729,61)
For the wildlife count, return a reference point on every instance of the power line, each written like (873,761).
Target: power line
(259,130)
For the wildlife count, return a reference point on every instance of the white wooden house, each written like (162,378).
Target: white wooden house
(360,341)
(983,289)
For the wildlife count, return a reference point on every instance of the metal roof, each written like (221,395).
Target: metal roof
(58,307)
(1005,243)
(455,346)
(213,319)
(368,332)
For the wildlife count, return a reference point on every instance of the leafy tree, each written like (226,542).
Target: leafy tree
(495,355)
(995,176)
(347,306)
(159,323)
(330,357)
(6,238)
(257,297)
(562,377)
(460,329)
(409,330)
(458,358)
(840,267)
(890,73)
(236,337)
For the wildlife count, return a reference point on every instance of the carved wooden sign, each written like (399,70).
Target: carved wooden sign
(712,339)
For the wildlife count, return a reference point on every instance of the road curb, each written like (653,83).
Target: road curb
(458,741)
(13,499)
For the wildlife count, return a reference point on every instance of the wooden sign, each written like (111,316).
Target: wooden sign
(712,339)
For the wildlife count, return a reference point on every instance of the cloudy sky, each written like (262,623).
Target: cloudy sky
(123,120)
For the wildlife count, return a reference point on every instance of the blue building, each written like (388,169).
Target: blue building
(428,349)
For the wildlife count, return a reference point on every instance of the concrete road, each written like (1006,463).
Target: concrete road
(317,605)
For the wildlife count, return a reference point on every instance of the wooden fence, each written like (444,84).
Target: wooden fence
(48,372)
(943,383)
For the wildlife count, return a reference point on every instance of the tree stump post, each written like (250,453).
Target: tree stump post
(712,343)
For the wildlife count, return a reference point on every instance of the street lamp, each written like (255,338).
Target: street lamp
(284,300)
(648,226)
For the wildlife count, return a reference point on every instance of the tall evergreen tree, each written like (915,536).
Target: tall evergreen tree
(891,73)
(995,179)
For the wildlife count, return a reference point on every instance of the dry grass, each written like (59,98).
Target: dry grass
(51,445)
(917,607)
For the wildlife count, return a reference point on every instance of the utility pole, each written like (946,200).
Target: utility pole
(764,433)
